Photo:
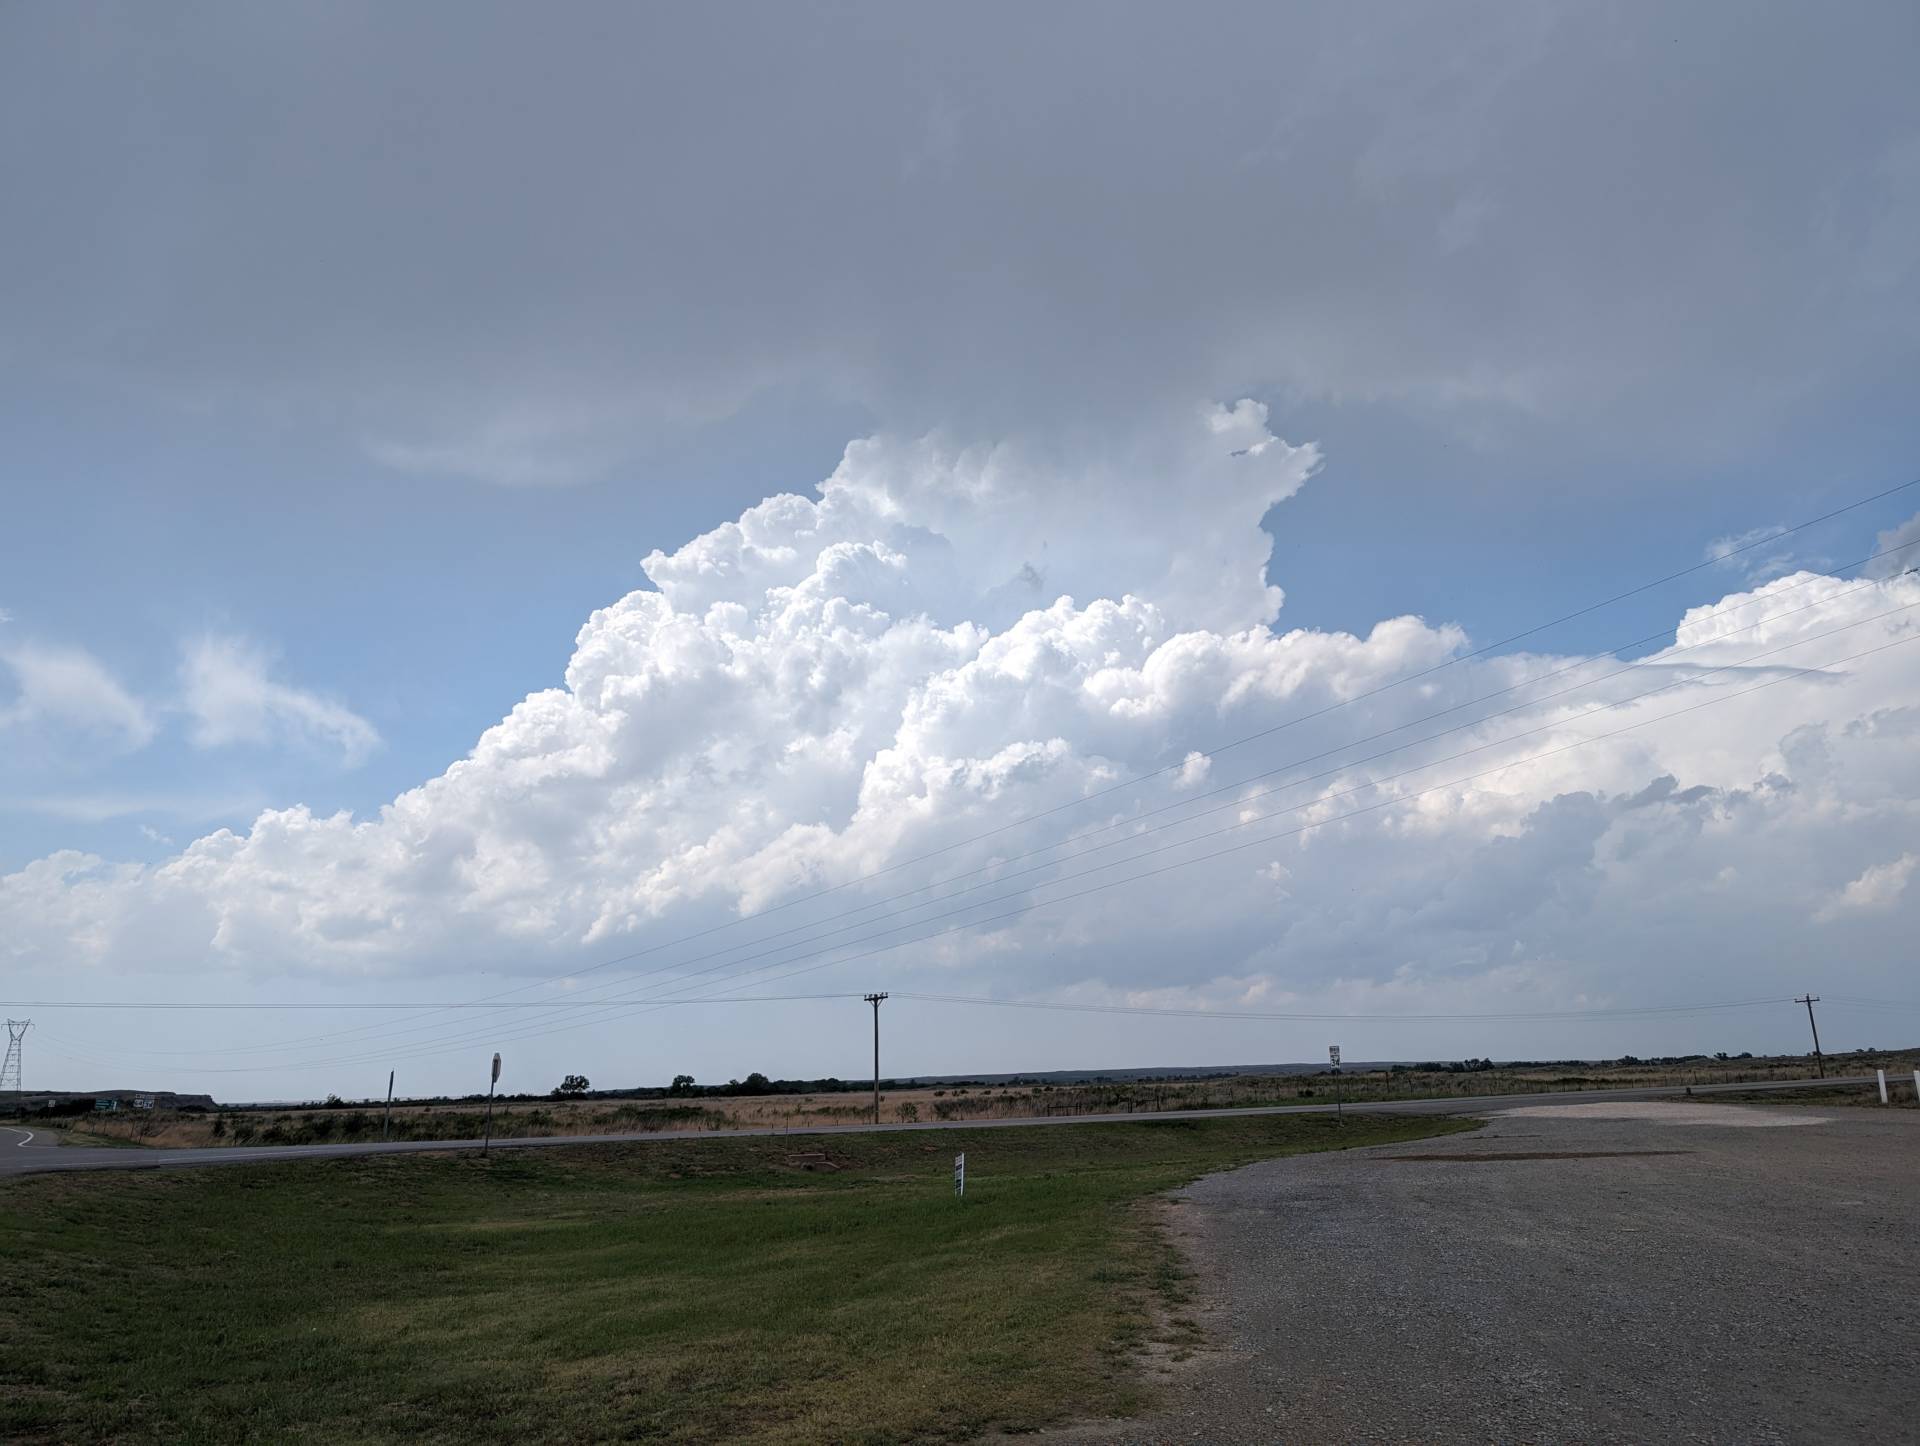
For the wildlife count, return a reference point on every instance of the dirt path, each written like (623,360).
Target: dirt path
(1626,1272)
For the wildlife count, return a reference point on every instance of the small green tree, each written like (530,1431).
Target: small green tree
(682,1085)
(573,1084)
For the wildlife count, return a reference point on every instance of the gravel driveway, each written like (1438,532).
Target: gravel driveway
(1592,1273)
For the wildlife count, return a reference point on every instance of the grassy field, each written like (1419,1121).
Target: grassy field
(464,1120)
(684,1290)
(1900,1095)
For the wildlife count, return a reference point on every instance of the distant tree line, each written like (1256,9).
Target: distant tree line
(684,1086)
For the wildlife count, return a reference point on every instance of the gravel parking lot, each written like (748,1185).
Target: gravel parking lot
(1596,1272)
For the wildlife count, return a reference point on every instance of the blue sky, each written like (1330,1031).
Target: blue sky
(355,359)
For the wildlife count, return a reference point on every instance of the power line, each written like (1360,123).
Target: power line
(564,1006)
(655,1004)
(1521,1016)
(1244,798)
(1321,799)
(1716,561)
(225,1004)
(1002,878)
(1154,1011)
(428,1011)
(1317,823)
(1213,752)
(647,1006)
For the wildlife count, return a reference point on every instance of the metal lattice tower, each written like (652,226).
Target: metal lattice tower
(10,1071)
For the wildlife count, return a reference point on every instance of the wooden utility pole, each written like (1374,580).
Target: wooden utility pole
(875,1000)
(1819,1061)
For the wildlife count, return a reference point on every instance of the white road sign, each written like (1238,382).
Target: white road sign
(960,1174)
(1333,1053)
(496,1069)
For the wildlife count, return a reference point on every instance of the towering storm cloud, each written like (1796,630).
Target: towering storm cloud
(1042,498)
(943,642)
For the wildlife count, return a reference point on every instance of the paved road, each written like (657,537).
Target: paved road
(32,1159)
(1562,1276)
(13,1140)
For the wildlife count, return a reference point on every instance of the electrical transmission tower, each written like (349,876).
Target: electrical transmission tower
(10,1071)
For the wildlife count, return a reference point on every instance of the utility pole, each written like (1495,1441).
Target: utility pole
(388,1121)
(10,1071)
(1810,999)
(875,1001)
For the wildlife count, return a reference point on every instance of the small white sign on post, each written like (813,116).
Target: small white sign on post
(496,1069)
(959,1175)
(1333,1053)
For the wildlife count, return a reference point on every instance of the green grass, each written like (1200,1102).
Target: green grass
(696,1290)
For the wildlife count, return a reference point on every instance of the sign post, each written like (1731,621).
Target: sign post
(487,1148)
(386,1122)
(960,1176)
(1339,1104)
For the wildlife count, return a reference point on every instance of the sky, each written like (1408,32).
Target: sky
(638,513)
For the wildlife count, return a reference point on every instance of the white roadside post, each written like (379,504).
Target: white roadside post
(960,1176)
(1883,1085)
(1916,1086)
(494,1079)
(1339,1104)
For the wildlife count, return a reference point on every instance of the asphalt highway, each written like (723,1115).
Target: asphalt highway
(42,1151)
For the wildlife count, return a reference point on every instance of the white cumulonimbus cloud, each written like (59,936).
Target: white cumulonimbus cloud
(945,640)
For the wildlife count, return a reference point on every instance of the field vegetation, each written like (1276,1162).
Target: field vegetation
(776,1105)
(742,1289)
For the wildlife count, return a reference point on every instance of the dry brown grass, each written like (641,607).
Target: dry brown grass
(465,1119)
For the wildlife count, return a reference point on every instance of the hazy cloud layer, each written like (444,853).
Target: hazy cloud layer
(227,691)
(65,690)
(521,246)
